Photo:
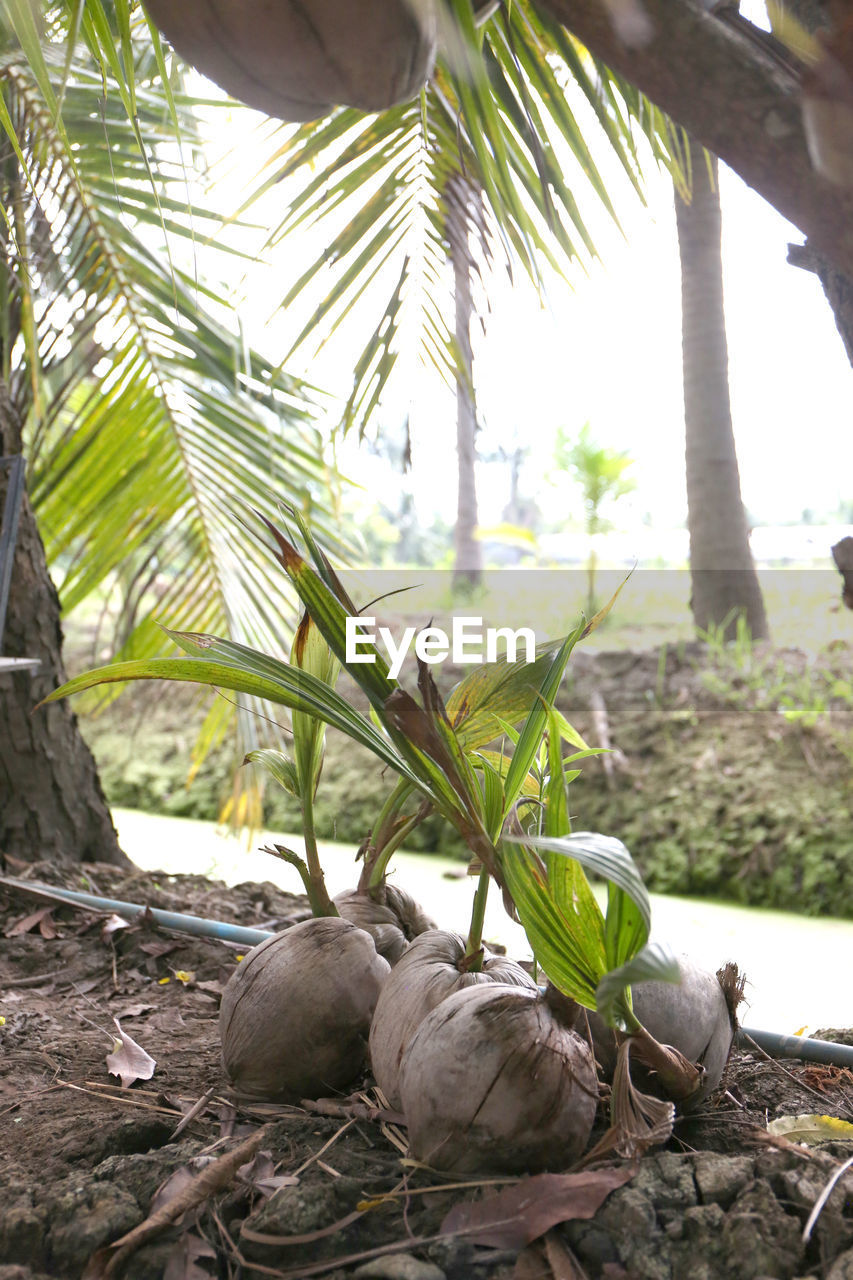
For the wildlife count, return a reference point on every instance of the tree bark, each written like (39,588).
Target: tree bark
(52,807)
(468,565)
(719,82)
(723,578)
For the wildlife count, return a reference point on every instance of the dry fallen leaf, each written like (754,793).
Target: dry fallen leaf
(181,1263)
(129,1060)
(112,925)
(42,920)
(135,1010)
(547,1259)
(260,1175)
(523,1212)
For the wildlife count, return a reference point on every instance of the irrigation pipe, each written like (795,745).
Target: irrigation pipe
(174,920)
(778,1046)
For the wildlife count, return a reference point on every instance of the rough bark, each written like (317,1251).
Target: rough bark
(719,82)
(52,807)
(468,564)
(842,554)
(723,578)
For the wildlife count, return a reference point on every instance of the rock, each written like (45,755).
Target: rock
(22,1232)
(719,1178)
(764,1239)
(83,1217)
(399,1266)
(667,1179)
(842,1267)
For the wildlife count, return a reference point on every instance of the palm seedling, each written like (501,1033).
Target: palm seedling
(510,806)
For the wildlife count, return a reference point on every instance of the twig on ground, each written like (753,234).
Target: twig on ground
(35,980)
(126,1102)
(195,1110)
(209,1182)
(324,1148)
(801,1084)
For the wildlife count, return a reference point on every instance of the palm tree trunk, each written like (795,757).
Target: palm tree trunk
(468,564)
(722,572)
(52,808)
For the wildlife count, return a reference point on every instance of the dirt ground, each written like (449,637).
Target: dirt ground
(325,1190)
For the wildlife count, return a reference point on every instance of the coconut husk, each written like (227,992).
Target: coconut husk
(426,975)
(693,1017)
(296,60)
(295,1015)
(491,1082)
(392,924)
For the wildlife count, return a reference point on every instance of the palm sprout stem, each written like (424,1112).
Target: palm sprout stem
(473,959)
(315,881)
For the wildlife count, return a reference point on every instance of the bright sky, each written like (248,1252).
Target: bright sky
(607,348)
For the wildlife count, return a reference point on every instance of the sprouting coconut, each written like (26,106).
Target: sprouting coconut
(493,1082)
(297,61)
(392,923)
(695,1016)
(429,972)
(296,1013)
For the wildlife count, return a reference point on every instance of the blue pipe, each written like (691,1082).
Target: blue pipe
(166,919)
(778,1046)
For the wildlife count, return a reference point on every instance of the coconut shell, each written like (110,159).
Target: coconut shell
(391,924)
(296,60)
(427,974)
(296,1013)
(492,1082)
(693,1016)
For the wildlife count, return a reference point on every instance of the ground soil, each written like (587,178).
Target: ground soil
(329,1192)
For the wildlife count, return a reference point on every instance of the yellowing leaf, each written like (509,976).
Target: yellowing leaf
(161,982)
(184,975)
(811,1129)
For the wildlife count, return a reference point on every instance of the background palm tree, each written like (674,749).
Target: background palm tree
(497,158)
(464,219)
(724,583)
(518,109)
(123,379)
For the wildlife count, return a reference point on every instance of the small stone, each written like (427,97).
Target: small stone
(719,1178)
(842,1267)
(399,1266)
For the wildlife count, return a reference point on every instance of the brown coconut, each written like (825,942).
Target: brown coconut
(296,59)
(296,1013)
(392,924)
(428,973)
(492,1082)
(695,1016)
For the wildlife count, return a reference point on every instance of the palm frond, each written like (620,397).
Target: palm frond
(148,424)
(520,110)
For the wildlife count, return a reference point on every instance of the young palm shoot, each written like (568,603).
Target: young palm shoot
(593,959)
(301,775)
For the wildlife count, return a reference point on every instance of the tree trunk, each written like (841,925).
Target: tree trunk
(712,73)
(468,565)
(52,807)
(722,572)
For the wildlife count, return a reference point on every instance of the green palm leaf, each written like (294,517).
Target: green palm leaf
(147,421)
(519,109)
